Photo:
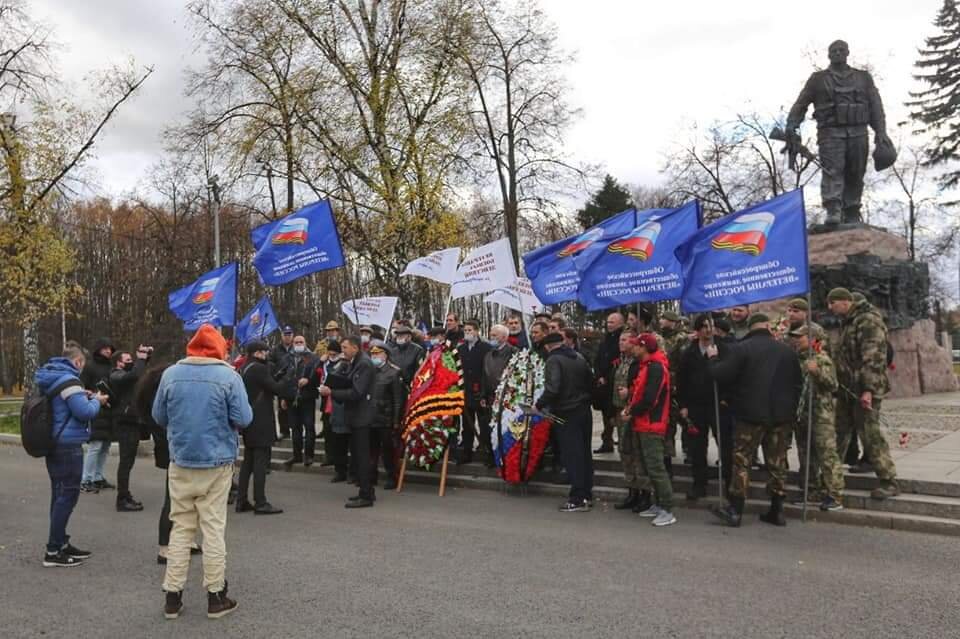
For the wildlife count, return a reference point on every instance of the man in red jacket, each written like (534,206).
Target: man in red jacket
(649,409)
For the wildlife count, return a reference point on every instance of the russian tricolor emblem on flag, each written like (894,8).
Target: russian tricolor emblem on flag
(207,289)
(292,231)
(640,243)
(748,234)
(582,242)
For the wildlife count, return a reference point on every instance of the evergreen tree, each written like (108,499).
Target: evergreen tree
(612,198)
(937,108)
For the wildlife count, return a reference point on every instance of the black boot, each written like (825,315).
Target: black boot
(668,464)
(732,513)
(631,500)
(697,491)
(775,515)
(644,501)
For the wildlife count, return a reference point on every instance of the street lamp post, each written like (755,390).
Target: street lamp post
(214,186)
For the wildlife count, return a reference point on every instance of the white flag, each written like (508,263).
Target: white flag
(439,266)
(519,296)
(486,268)
(368,311)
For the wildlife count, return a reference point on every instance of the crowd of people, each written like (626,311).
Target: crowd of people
(749,382)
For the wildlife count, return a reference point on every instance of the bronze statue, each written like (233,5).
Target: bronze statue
(845,100)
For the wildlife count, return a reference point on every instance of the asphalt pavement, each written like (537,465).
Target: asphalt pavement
(471,564)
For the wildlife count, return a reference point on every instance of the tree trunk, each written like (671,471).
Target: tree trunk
(6,382)
(31,355)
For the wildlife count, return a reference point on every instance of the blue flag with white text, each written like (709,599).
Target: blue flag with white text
(211,299)
(753,255)
(304,242)
(553,275)
(640,265)
(258,323)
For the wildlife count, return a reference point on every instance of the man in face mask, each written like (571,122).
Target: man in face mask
(123,378)
(388,397)
(365,334)
(301,412)
(435,337)
(476,410)
(332,330)
(408,354)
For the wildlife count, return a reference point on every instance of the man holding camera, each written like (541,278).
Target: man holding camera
(123,378)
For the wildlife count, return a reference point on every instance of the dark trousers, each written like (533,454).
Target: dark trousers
(575,437)
(360,451)
(65,468)
(327,435)
(474,417)
(255,460)
(303,426)
(128,439)
(339,451)
(382,445)
(165,524)
(283,420)
(705,421)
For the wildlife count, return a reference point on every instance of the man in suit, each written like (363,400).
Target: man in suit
(476,410)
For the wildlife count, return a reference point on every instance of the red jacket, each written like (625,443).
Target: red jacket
(650,395)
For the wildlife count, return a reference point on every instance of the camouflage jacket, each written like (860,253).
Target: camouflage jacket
(672,344)
(621,377)
(824,383)
(861,351)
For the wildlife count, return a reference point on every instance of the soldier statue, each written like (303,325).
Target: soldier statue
(845,100)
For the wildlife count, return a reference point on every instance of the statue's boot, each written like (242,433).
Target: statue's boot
(833,213)
(851,215)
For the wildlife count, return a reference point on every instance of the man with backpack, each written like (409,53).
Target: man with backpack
(60,413)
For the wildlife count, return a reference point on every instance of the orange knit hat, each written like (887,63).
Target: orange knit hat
(207,342)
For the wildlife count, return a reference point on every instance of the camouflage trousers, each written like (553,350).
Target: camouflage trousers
(631,456)
(826,471)
(851,417)
(651,446)
(746,438)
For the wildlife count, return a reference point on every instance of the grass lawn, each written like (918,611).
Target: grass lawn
(10,424)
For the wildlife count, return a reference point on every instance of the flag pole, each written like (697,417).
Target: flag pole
(806,470)
(716,418)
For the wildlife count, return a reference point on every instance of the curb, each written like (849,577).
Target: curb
(145,449)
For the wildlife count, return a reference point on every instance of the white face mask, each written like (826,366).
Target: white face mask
(472,337)
(402,339)
(364,338)
(299,348)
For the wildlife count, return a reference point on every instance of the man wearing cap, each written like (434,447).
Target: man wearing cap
(820,383)
(603,366)
(332,331)
(675,340)
(476,411)
(366,334)
(648,411)
(261,388)
(408,354)
(639,489)
(765,374)
(388,398)
(281,362)
(862,373)
(566,394)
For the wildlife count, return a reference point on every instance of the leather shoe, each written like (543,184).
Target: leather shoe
(266,509)
(338,479)
(631,500)
(290,462)
(128,505)
(389,485)
(359,503)
(243,506)
(308,461)
(606,448)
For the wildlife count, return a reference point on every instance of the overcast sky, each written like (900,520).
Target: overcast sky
(645,70)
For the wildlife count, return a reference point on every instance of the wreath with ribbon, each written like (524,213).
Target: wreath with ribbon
(435,401)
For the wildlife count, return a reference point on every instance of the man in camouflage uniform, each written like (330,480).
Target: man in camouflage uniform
(862,373)
(673,343)
(820,379)
(631,455)
(738,320)
(767,379)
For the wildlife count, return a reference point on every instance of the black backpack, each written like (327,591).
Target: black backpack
(36,421)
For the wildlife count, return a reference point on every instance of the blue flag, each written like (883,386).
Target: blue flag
(301,243)
(640,265)
(757,254)
(212,299)
(258,323)
(551,269)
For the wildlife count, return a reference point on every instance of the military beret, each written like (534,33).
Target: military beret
(799,304)
(757,318)
(670,316)
(552,338)
(839,293)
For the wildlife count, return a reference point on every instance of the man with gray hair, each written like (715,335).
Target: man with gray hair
(494,363)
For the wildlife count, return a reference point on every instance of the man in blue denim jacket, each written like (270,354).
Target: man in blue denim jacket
(73,408)
(202,403)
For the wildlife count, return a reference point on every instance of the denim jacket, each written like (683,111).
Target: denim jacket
(202,403)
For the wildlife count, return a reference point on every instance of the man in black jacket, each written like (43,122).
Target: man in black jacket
(388,397)
(608,351)
(566,394)
(123,379)
(360,414)
(282,361)
(766,376)
(259,437)
(302,410)
(97,372)
(408,354)
(698,407)
(476,410)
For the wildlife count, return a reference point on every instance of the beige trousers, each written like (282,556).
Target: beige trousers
(198,498)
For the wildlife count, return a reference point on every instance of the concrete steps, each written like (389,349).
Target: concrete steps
(922,506)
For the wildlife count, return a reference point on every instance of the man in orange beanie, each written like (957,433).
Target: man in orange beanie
(202,403)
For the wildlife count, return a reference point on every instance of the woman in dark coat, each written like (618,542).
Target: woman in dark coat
(259,437)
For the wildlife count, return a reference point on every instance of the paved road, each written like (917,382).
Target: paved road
(474,564)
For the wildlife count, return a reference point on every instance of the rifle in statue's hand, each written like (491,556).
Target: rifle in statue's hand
(793,147)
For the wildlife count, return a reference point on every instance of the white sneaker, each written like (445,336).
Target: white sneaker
(664,518)
(652,511)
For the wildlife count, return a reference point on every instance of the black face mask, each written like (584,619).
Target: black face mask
(128,367)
